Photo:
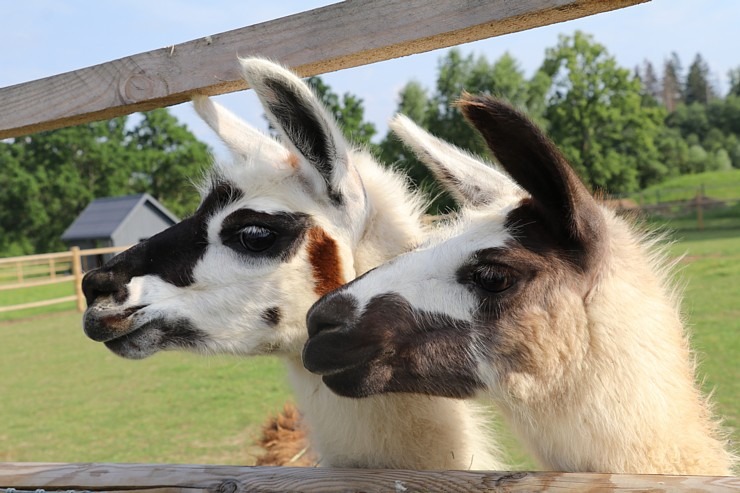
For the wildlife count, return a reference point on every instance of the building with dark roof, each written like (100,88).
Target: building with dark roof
(117,221)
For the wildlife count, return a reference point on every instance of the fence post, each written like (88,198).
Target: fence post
(699,211)
(77,271)
(19,271)
(52,269)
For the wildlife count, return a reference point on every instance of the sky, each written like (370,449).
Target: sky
(40,38)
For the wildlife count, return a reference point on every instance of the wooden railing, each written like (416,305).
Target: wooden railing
(48,268)
(149,478)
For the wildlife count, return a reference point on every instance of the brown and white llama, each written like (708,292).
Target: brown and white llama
(539,296)
(278,227)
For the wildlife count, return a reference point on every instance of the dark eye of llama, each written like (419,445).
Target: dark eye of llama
(257,238)
(264,235)
(493,278)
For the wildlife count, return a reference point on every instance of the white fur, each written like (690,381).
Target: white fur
(379,219)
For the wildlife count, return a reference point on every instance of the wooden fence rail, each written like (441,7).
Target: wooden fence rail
(73,257)
(150,478)
(339,36)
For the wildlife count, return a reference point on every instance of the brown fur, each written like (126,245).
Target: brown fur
(284,440)
(323,255)
(293,161)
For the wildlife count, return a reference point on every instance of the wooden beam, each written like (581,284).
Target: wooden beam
(339,36)
(192,478)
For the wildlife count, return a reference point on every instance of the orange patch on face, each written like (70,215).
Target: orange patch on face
(323,255)
(292,160)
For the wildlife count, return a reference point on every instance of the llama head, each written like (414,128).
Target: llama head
(495,300)
(276,228)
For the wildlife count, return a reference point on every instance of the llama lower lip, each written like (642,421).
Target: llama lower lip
(102,327)
(136,344)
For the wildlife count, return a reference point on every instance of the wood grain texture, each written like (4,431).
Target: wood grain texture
(343,35)
(232,479)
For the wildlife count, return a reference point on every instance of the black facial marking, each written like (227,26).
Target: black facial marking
(221,195)
(289,230)
(306,131)
(171,255)
(272,316)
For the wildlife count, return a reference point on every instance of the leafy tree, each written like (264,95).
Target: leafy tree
(166,158)
(437,112)
(597,117)
(49,177)
(347,110)
(698,88)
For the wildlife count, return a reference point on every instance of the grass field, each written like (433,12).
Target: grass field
(66,398)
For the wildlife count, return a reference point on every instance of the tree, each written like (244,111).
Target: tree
(49,177)
(166,158)
(734,76)
(597,117)
(437,112)
(651,88)
(698,89)
(347,111)
(672,94)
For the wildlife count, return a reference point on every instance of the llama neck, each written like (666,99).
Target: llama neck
(399,431)
(390,431)
(394,225)
(633,406)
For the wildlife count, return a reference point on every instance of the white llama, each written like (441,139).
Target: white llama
(537,295)
(280,226)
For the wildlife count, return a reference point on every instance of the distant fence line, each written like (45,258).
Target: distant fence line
(697,207)
(48,268)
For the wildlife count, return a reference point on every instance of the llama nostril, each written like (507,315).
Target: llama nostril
(99,283)
(331,312)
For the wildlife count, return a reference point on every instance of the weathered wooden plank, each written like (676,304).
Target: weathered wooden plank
(343,35)
(191,478)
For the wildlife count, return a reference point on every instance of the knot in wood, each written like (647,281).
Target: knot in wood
(142,87)
(228,486)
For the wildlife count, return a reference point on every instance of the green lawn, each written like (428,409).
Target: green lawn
(66,398)
(717,184)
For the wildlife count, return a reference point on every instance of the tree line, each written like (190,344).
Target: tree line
(622,129)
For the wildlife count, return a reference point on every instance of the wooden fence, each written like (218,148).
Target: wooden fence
(49,268)
(335,37)
(151,478)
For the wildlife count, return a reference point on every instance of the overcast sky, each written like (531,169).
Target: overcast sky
(40,38)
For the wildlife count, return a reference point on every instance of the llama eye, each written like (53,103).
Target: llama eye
(493,280)
(257,238)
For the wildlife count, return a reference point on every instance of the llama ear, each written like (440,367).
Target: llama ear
(243,140)
(472,182)
(295,111)
(532,159)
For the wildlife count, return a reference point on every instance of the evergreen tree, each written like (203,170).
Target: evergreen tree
(698,88)
(672,93)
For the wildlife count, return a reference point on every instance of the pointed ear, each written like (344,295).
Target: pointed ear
(532,159)
(296,112)
(243,140)
(472,182)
